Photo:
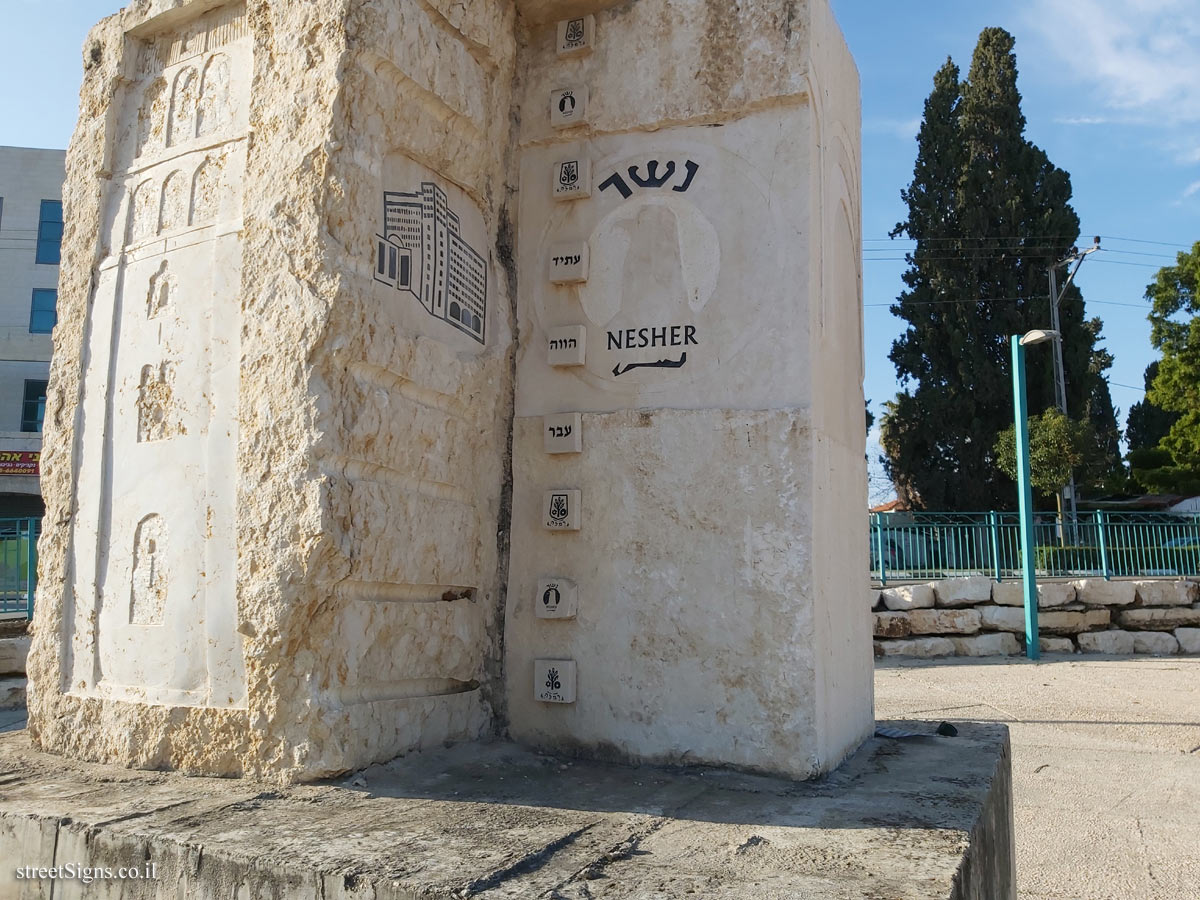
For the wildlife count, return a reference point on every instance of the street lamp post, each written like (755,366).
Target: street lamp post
(1076,256)
(1024,485)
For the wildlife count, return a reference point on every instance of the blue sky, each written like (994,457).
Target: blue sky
(1111,91)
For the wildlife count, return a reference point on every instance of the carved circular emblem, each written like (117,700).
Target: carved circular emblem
(683,262)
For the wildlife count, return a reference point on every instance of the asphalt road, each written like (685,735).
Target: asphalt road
(1106,764)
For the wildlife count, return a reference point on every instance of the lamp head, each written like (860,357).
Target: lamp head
(1039,336)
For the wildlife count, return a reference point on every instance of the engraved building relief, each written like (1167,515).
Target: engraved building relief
(148,593)
(162,381)
(423,252)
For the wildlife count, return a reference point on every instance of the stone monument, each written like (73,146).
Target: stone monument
(428,370)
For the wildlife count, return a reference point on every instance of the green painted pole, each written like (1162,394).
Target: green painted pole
(1025,498)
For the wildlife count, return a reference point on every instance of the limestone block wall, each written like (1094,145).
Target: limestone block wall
(367,305)
(274,493)
(977,616)
(711,299)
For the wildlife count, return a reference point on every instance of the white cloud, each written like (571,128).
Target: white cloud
(904,129)
(1137,59)
(1191,190)
(1083,120)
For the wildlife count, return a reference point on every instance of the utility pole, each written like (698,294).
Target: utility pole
(1067,496)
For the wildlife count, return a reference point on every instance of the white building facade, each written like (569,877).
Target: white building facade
(30,233)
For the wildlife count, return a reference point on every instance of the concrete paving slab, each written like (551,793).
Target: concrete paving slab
(920,818)
(1106,764)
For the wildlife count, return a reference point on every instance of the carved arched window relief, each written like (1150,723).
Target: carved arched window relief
(148,591)
(143,212)
(162,290)
(183,107)
(213,112)
(206,187)
(174,208)
(151,117)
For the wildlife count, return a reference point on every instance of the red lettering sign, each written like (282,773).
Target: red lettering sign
(20,462)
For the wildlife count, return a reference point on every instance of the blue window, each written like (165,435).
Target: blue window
(50,229)
(43,312)
(33,407)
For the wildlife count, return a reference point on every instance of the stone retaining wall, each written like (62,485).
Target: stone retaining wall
(977,616)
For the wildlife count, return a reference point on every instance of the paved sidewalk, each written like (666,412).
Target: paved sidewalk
(1106,764)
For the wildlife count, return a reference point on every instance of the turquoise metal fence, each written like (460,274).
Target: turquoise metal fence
(924,546)
(18,565)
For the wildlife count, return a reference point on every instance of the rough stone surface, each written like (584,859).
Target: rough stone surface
(1160,643)
(909,596)
(875,598)
(1189,639)
(1054,593)
(1002,618)
(1055,644)
(1008,593)
(920,648)
(306,561)
(13,653)
(907,820)
(12,693)
(892,625)
(1158,619)
(659,702)
(1072,622)
(954,592)
(301,469)
(944,621)
(1113,641)
(1050,593)
(1098,592)
(1167,593)
(996,644)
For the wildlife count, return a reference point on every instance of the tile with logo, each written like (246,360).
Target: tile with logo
(557,598)
(561,510)
(568,106)
(554,680)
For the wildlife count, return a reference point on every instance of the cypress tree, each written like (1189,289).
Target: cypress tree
(1148,422)
(988,213)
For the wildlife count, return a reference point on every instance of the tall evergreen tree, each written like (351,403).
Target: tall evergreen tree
(989,213)
(1148,423)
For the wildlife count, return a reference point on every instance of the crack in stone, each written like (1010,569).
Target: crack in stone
(530,862)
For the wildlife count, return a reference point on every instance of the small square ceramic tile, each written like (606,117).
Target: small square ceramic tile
(554,680)
(568,106)
(573,178)
(576,36)
(566,345)
(569,263)
(563,433)
(560,510)
(557,598)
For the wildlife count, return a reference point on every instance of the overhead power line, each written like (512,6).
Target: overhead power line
(1145,306)
(1043,238)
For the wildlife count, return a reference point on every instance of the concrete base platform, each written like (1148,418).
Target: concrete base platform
(928,817)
